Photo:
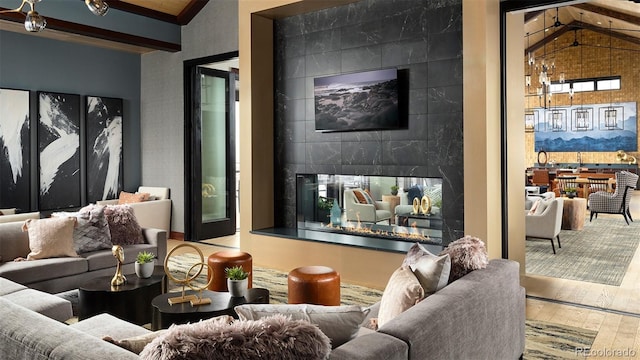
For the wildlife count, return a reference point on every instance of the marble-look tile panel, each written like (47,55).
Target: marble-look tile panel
(311,135)
(322,41)
(361,153)
(405,170)
(294,110)
(294,67)
(418,101)
(292,88)
(324,153)
(323,64)
(370,170)
(445,72)
(445,19)
(418,75)
(437,4)
(444,46)
(408,152)
(330,18)
(445,139)
(323,168)
(404,52)
(358,136)
(417,130)
(291,26)
(291,131)
(294,153)
(407,24)
(359,59)
(361,34)
(310,109)
(447,99)
(290,47)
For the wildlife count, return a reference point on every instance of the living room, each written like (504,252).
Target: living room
(156,134)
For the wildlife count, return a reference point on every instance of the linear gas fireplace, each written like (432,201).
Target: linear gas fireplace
(394,208)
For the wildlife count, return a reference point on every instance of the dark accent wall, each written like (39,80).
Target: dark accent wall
(421,38)
(35,63)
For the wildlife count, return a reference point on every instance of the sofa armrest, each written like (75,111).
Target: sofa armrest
(372,346)
(19,217)
(383,205)
(153,214)
(158,238)
(107,202)
(366,212)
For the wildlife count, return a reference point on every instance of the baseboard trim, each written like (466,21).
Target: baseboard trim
(174,235)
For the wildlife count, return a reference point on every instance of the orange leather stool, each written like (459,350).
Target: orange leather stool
(318,285)
(228,258)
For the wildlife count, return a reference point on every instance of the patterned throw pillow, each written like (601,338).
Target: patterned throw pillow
(129,198)
(92,230)
(52,237)
(360,196)
(123,225)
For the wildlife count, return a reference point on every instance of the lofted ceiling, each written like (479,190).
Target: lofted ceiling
(621,18)
(179,12)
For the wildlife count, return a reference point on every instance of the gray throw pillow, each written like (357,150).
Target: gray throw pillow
(92,229)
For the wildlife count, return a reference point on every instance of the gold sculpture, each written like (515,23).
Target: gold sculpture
(425,205)
(118,279)
(193,299)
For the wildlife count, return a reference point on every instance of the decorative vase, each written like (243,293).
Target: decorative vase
(336,214)
(144,270)
(237,288)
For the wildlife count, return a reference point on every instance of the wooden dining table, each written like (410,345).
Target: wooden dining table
(583,184)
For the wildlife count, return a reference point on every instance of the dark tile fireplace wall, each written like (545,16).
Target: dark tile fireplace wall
(420,37)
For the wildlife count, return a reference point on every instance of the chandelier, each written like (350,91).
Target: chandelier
(35,22)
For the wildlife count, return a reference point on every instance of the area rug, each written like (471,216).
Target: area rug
(600,253)
(546,340)
(275,281)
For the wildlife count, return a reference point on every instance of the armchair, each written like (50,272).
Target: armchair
(367,211)
(546,222)
(616,202)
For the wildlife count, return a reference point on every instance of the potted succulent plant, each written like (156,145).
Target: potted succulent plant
(144,264)
(237,281)
(571,192)
(394,190)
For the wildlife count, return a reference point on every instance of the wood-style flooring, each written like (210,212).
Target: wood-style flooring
(612,311)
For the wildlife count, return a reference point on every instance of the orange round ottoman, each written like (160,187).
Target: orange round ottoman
(318,285)
(228,258)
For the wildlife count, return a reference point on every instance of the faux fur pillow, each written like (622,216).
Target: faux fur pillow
(52,237)
(467,254)
(274,337)
(92,230)
(123,225)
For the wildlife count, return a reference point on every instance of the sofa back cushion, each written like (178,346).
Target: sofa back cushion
(14,243)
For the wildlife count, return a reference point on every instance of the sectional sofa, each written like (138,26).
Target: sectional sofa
(480,316)
(60,274)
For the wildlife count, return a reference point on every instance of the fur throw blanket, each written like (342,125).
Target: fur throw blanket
(274,337)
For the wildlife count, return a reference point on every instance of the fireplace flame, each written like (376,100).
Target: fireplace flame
(411,233)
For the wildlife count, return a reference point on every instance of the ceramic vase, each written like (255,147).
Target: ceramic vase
(144,270)
(237,288)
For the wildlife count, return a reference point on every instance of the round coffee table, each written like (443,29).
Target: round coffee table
(222,303)
(130,301)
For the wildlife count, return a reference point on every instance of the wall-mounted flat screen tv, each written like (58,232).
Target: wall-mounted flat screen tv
(358,101)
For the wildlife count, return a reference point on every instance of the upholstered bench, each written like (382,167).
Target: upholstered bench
(220,260)
(318,285)
(48,305)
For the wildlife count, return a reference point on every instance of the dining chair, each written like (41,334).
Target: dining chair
(541,178)
(597,184)
(564,182)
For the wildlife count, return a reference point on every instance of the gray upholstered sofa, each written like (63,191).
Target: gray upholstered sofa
(480,316)
(56,275)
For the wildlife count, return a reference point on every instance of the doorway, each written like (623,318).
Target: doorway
(211,166)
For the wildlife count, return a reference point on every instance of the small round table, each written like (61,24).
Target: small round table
(130,301)
(574,211)
(165,314)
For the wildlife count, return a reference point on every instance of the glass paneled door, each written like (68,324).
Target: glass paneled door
(212,194)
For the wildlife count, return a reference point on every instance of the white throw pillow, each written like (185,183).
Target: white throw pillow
(542,206)
(403,290)
(339,323)
(52,237)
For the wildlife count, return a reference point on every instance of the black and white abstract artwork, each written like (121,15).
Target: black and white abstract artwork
(104,148)
(14,149)
(59,150)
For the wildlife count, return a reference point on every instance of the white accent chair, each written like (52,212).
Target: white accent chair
(370,213)
(546,222)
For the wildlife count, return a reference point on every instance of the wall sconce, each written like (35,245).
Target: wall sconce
(35,22)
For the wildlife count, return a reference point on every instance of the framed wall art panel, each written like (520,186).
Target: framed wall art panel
(15,142)
(104,148)
(58,150)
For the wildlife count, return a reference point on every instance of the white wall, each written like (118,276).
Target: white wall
(213,31)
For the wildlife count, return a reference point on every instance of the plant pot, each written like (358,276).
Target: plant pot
(237,288)
(571,195)
(144,270)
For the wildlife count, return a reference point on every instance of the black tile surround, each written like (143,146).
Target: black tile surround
(423,38)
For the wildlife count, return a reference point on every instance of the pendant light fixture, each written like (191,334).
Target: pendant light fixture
(35,22)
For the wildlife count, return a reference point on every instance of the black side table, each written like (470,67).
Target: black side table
(130,301)
(222,303)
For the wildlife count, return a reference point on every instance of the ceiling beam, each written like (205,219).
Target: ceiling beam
(631,19)
(95,32)
(547,39)
(187,14)
(190,11)
(532,15)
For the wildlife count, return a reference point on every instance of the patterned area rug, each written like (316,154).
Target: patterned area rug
(275,281)
(600,253)
(546,340)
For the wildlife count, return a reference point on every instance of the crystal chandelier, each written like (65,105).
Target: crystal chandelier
(35,22)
